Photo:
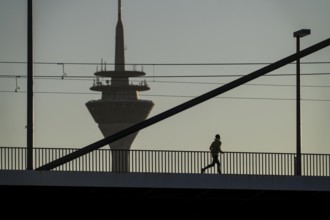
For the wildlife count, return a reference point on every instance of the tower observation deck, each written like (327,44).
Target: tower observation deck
(120,106)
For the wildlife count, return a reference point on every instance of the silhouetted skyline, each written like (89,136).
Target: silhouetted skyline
(256,117)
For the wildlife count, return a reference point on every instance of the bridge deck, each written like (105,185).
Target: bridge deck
(104,194)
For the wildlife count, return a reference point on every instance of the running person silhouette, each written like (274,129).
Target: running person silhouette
(215,149)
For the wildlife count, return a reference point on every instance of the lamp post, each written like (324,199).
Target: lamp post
(29,135)
(298,35)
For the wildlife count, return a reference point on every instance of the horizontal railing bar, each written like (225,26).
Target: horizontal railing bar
(245,152)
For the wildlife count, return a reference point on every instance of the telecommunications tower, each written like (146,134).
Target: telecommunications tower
(119,106)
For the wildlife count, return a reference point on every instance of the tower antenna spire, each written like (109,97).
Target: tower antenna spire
(120,48)
(119,9)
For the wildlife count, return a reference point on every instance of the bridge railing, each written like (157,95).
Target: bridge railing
(164,161)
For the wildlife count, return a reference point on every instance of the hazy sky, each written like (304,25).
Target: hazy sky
(255,117)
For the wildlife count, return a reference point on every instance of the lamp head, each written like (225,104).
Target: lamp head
(302,33)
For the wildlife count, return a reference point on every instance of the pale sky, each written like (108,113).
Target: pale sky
(256,117)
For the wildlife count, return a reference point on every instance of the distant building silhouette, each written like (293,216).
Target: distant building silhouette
(119,106)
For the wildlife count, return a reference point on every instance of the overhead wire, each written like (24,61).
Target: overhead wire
(162,76)
(247,84)
(163,64)
(88,78)
(64,75)
(173,96)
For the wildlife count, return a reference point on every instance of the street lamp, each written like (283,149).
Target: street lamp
(298,35)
